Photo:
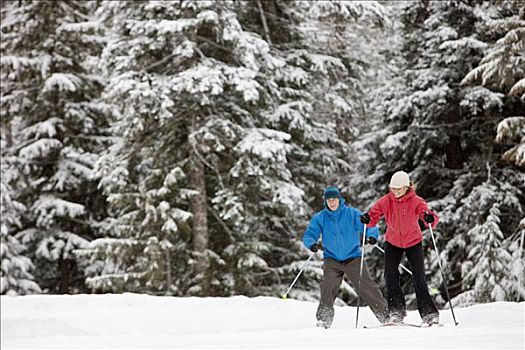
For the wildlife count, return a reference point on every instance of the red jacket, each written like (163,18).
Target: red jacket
(401,217)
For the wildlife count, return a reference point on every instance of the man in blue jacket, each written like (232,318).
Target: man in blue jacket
(341,229)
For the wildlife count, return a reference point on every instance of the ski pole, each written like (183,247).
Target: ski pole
(360,274)
(442,274)
(285,295)
(383,251)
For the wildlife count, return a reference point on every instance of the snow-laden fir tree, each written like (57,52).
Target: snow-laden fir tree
(486,261)
(343,30)
(318,108)
(443,133)
(502,69)
(166,72)
(514,282)
(16,269)
(50,86)
(218,106)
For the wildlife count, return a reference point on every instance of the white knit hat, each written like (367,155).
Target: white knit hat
(399,179)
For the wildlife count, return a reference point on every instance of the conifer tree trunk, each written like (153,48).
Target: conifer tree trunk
(198,208)
(64,267)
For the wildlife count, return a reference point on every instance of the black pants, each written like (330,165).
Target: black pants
(396,298)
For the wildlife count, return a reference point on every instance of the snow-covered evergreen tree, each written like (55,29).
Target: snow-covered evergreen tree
(50,85)
(318,107)
(443,133)
(502,69)
(350,32)
(229,118)
(224,98)
(514,281)
(485,257)
(16,277)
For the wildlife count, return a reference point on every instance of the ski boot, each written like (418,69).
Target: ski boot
(395,318)
(324,324)
(325,316)
(431,319)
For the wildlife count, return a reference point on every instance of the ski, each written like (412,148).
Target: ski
(428,325)
(390,325)
(405,324)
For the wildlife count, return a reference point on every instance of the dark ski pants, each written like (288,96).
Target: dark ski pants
(396,298)
(333,272)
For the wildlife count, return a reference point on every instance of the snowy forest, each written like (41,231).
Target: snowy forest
(181,147)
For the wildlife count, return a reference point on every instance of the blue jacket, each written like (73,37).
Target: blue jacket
(341,231)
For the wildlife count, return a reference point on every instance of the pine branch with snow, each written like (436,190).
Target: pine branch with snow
(53,83)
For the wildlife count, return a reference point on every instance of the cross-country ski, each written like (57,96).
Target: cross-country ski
(405,324)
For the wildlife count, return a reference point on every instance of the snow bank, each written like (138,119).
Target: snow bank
(142,321)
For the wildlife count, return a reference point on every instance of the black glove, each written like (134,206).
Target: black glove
(371,240)
(365,218)
(315,247)
(429,218)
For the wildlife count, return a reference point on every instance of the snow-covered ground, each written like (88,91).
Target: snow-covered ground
(141,321)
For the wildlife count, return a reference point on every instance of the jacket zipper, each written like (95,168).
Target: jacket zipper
(337,234)
(405,218)
(399,224)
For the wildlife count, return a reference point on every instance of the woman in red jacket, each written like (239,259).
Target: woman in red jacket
(402,208)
